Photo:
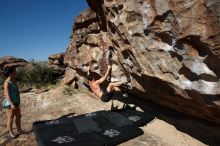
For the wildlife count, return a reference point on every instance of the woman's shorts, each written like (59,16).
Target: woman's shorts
(9,106)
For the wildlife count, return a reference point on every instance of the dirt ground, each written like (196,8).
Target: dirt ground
(169,128)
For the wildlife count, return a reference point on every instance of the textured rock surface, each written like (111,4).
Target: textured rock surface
(69,77)
(56,59)
(56,62)
(12,61)
(169,48)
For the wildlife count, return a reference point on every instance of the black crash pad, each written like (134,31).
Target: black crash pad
(63,133)
(117,118)
(103,128)
(137,118)
(86,125)
(114,134)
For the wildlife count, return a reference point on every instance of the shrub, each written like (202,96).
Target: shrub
(37,74)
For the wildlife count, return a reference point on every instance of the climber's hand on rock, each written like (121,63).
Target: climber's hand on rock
(109,66)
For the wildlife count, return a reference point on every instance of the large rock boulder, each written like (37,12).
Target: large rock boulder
(68,77)
(56,59)
(169,48)
(12,61)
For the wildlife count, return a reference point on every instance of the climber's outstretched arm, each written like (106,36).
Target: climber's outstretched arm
(102,79)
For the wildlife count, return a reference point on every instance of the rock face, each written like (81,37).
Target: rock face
(56,59)
(169,48)
(56,62)
(12,61)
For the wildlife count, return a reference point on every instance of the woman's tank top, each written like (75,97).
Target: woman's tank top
(13,93)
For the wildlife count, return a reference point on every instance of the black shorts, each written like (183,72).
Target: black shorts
(106,96)
(9,106)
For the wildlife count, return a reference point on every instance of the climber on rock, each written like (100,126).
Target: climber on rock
(95,85)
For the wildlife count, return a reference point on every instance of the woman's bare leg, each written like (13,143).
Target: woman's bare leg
(112,85)
(18,119)
(116,89)
(10,117)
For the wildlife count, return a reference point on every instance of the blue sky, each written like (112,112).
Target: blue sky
(35,29)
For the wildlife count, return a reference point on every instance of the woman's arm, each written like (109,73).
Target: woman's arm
(7,95)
